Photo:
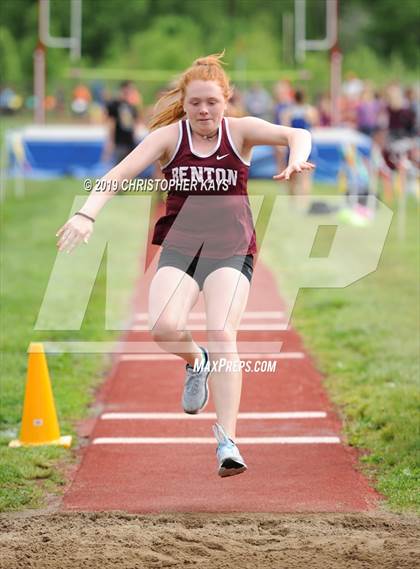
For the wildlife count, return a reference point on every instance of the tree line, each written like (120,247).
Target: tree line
(169,34)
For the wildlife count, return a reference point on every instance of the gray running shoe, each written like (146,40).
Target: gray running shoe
(228,456)
(196,390)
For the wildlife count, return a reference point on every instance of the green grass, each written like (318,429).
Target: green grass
(28,255)
(364,338)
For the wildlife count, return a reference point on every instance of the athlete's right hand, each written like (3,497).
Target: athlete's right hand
(293,169)
(75,230)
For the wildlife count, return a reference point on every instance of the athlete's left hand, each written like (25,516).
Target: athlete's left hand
(294,168)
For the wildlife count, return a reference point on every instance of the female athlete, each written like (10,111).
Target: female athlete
(207,234)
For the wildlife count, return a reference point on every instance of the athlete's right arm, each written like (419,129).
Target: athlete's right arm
(151,149)
(156,145)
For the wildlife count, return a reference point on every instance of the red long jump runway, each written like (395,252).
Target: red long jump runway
(146,455)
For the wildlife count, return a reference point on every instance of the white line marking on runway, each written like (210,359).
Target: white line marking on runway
(242,326)
(208,416)
(143,347)
(171,357)
(253,315)
(205,440)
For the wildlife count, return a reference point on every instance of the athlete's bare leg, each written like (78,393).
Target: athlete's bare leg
(300,190)
(225,294)
(172,295)
(294,191)
(306,188)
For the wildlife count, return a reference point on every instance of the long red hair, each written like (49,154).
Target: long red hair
(170,107)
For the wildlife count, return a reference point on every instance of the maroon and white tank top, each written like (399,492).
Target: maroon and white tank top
(207,203)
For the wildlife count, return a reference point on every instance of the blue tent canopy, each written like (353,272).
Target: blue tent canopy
(55,151)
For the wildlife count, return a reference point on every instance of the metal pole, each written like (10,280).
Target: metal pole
(39,83)
(300,30)
(301,43)
(335,85)
(74,41)
(76,29)
(335,66)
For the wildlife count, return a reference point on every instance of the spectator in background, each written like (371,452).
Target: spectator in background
(98,102)
(81,99)
(380,165)
(413,104)
(122,118)
(98,89)
(283,95)
(50,103)
(10,101)
(401,118)
(134,96)
(351,91)
(367,112)
(352,87)
(258,102)
(324,109)
(302,115)
(235,106)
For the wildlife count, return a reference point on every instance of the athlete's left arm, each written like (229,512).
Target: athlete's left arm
(257,132)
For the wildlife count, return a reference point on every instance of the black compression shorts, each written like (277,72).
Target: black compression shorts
(199,271)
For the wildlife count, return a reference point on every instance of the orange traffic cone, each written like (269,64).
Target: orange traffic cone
(39,421)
